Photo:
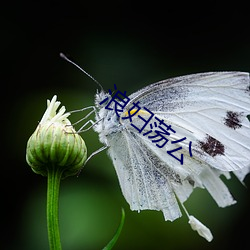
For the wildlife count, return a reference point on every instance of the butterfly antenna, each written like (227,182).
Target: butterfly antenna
(90,76)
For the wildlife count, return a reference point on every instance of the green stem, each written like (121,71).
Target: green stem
(54,177)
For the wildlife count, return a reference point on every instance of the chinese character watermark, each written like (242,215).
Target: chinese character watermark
(159,130)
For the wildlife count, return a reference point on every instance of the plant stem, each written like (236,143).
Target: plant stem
(54,177)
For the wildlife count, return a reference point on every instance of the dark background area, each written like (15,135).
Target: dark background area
(130,44)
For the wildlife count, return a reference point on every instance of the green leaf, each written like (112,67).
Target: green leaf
(117,234)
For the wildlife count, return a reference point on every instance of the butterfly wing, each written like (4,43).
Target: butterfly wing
(137,167)
(150,180)
(207,109)
(210,109)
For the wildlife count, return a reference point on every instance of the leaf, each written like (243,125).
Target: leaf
(117,234)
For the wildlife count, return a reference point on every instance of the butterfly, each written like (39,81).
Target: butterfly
(210,110)
(175,135)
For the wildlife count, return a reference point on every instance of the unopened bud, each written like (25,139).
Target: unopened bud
(55,143)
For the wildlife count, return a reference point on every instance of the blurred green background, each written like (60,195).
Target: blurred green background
(119,43)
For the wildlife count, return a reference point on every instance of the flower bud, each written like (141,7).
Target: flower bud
(55,144)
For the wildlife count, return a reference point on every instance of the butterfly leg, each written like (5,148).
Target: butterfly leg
(91,155)
(81,129)
(86,116)
(96,152)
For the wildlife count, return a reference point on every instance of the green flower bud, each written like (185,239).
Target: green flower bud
(55,144)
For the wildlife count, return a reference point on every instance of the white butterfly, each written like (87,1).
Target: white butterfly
(208,109)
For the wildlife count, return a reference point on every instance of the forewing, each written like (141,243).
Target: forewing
(211,110)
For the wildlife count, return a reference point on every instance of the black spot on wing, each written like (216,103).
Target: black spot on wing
(233,119)
(248,89)
(212,146)
(248,117)
(191,181)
